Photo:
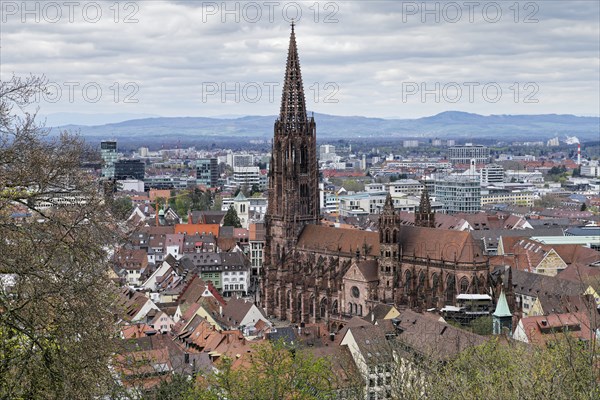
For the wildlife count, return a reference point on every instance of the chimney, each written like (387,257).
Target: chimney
(578,153)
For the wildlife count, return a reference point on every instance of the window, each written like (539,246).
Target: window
(355,292)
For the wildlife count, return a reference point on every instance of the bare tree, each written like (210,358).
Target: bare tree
(56,321)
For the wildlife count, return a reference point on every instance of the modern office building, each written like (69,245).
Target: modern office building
(247,177)
(207,172)
(459,193)
(492,173)
(169,182)
(464,154)
(129,169)
(108,152)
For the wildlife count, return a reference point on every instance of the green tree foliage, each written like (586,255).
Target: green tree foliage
(275,372)
(183,204)
(201,201)
(217,204)
(254,189)
(231,218)
(161,202)
(121,207)
(178,387)
(482,326)
(56,315)
(567,369)
(547,201)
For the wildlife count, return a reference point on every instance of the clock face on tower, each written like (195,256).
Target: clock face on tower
(355,292)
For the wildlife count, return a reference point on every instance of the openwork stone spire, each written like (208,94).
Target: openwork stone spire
(426,216)
(388,207)
(293,104)
(293,190)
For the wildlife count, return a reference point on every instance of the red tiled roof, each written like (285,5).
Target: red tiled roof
(338,240)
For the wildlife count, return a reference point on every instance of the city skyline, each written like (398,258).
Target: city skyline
(382,59)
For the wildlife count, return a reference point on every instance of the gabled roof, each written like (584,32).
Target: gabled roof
(236,310)
(536,285)
(438,244)
(580,273)
(443,221)
(372,343)
(368,269)
(432,338)
(193,290)
(130,303)
(379,312)
(337,240)
(192,229)
(207,217)
(540,329)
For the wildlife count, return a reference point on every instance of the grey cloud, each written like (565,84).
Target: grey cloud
(369,53)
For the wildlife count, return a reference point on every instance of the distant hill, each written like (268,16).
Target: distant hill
(450,124)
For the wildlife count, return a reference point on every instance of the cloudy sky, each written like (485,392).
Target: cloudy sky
(380,59)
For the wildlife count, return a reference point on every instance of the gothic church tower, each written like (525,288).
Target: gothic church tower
(389,235)
(293,174)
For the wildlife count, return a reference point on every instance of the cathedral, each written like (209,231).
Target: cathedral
(313,272)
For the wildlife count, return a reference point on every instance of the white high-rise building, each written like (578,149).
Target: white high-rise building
(459,193)
(464,154)
(492,173)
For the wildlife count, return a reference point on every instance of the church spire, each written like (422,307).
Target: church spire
(425,216)
(388,207)
(425,204)
(293,104)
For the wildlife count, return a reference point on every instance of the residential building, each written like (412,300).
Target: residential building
(542,330)
(228,272)
(257,244)
(507,197)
